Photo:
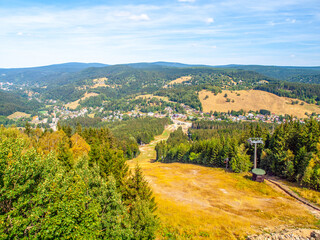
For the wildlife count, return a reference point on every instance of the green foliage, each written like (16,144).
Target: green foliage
(211,143)
(177,137)
(264,112)
(139,197)
(241,161)
(13,102)
(303,91)
(293,152)
(185,95)
(48,196)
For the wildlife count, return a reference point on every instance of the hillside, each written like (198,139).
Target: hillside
(196,202)
(254,100)
(75,104)
(39,75)
(291,74)
(12,102)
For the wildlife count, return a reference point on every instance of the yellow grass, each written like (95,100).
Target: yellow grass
(149,96)
(113,86)
(254,100)
(196,202)
(180,80)
(99,82)
(311,195)
(19,115)
(75,104)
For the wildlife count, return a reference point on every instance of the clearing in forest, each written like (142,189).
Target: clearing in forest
(150,96)
(99,82)
(196,202)
(180,80)
(75,104)
(254,100)
(17,115)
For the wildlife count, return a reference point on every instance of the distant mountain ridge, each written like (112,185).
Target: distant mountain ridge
(65,70)
(37,74)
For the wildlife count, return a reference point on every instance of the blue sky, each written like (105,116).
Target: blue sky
(274,32)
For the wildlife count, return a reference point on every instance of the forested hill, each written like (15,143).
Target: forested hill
(37,75)
(124,80)
(291,74)
(71,82)
(13,102)
(74,71)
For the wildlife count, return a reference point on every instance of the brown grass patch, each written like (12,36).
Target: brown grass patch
(180,80)
(17,115)
(196,202)
(75,104)
(309,194)
(99,82)
(150,96)
(254,100)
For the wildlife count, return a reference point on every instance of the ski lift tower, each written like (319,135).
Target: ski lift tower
(255,141)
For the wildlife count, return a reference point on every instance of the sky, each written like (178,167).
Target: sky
(217,32)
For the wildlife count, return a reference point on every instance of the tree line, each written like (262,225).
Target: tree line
(290,150)
(58,185)
(304,91)
(130,133)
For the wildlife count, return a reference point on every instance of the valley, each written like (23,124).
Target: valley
(176,129)
(111,93)
(160,120)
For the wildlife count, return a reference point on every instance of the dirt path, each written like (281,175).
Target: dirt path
(315,210)
(196,202)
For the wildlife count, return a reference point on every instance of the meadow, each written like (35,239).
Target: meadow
(196,202)
(254,100)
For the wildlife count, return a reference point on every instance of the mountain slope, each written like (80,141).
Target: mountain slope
(38,75)
(292,74)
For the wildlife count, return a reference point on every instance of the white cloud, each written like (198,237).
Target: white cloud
(291,20)
(123,33)
(210,20)
(189,1)
(141,17)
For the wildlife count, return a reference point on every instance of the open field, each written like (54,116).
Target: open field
(99,82)
(254,100)
(18,115)
(149,96)
(180,80)
(196,202)
(75,104)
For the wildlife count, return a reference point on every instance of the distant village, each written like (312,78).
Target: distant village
(57,111)
(50,118)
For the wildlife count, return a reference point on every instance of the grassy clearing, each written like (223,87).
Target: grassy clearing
(75,104)
(254,100)
(150,96)
(17,115)
(196,202)
(99,82)
(180,80)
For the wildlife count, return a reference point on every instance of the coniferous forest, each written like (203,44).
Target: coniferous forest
(71,184)
(290,150)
